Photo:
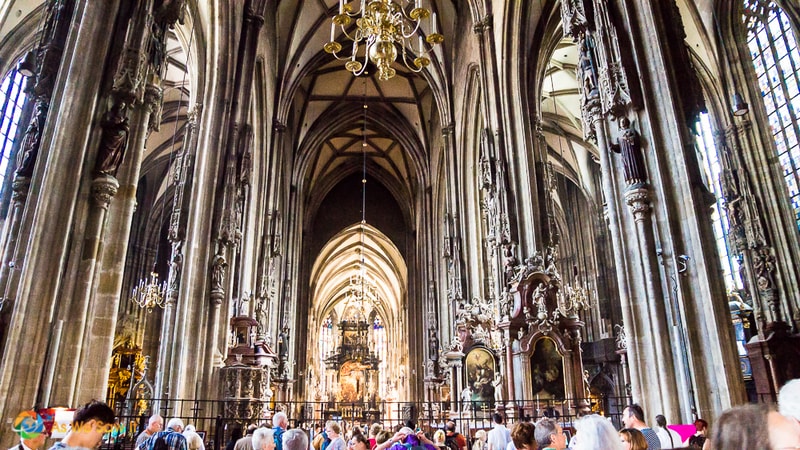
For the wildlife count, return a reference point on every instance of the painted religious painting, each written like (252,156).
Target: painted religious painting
(547,370)
(480,370)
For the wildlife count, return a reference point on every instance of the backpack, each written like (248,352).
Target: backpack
(278,437)
(160,444)
(697,441)
(450,442)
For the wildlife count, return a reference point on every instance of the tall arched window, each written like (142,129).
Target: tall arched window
(12,99)
(710,163)
(773,48)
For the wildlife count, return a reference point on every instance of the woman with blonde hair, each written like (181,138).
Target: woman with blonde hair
(480,440)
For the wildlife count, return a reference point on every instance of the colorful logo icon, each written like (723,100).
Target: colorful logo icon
(28,425)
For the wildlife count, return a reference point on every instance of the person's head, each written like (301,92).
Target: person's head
(280,420)
(548,433)
(633,416)
(596,432)
(190,428)
(175,424)
(661,421)
(36,442)
(481,435)
(632,439)
(295,439)
(236,433)
(701,426)
(357,442)
(332,428)
(523,436)
(754,426)
(155,424)
(439,437)
(375,429)
(789,399)
(383,436)
(90,423)
(497,418)
(264,439)
(450,426)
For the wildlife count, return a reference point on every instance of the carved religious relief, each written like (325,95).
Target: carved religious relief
(113,140)
(590,94)
(451,252)
(510,261)
(629,146)
(29,149)
(764,268)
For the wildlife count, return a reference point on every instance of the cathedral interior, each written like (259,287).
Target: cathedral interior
(429,208)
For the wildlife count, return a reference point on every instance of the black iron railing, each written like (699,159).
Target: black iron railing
(216,419)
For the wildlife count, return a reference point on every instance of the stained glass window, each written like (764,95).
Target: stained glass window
(710,164)
(12,98)
(776,59)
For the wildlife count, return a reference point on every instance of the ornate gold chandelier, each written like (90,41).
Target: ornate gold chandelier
(380,26)
(149,293)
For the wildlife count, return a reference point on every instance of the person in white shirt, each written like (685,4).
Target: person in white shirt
(499,437)
(669,438)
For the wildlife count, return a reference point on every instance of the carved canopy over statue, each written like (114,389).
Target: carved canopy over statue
(550,339)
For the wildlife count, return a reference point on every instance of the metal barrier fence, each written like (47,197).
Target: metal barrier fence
(215,419)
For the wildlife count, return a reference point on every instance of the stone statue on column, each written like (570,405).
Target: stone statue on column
(218,267)
(433,346)
(113,140)
(629,146)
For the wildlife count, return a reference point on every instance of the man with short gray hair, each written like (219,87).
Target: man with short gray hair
(549,435)
(154,425)
(172,437)
(295,439)
(280,422)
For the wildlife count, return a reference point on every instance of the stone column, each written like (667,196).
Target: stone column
(653,312)
(54,187)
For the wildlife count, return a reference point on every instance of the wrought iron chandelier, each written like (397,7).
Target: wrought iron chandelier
(380,26)
(149,293)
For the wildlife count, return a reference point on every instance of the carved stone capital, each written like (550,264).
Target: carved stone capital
(638,199)
(217,294)
(104,188)
(484,25)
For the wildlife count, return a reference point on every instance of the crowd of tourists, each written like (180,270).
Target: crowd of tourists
(742,427)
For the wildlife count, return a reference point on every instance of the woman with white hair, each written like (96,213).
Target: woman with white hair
(193,440)
(263,439)
(596,432)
